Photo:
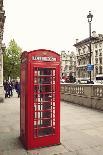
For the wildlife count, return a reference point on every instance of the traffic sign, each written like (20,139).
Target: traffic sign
(90,67)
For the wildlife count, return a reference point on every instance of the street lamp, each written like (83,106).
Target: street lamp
(90,16)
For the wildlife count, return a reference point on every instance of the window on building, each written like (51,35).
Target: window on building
(96,60)
(70,67)
(100,44)
(66,67)
(96,70)
(66,62)
(96,52)
(100,52)
(84,62)
(95,45)
(84,50)
(100,69)
(79,51)
(88,75)
(87,61)
(78,62)
(100,60)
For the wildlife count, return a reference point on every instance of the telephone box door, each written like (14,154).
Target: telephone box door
(45,87)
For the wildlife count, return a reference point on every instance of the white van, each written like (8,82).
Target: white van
(99,79)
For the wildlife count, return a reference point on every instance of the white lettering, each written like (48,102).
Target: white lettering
(43,58)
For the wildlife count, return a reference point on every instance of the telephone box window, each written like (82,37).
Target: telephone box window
(44,101)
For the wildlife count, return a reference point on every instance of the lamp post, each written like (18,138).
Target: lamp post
(90,16)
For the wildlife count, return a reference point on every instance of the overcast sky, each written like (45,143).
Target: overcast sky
(50,24)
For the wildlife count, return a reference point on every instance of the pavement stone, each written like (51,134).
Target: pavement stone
(81,131)
(53,150)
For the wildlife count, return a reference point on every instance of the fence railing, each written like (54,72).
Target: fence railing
(88,95)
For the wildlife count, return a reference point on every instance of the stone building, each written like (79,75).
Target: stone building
(68,63)
(83,56)
(2,47)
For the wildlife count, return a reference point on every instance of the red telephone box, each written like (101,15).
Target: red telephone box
(40,99)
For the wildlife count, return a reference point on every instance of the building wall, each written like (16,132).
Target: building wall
(2,47)
(83,56)
(68,63)
(82,60)
(98,58)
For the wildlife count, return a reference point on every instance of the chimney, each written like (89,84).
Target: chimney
(77,40)
(94,34)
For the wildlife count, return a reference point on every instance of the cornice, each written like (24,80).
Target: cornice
(87,41)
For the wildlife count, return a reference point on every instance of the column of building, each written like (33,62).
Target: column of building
(2,47)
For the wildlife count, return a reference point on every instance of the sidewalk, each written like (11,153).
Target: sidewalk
(81,131)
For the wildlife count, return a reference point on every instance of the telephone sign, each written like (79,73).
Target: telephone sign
(43,58)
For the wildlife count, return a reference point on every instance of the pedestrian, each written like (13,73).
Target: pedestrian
(17,88)
(11,88)
(7,89)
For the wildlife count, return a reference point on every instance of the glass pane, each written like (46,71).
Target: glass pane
(44,101)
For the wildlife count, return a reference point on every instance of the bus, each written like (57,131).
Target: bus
(99,78)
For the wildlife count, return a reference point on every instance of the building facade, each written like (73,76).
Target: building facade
(83,56)
(68,63)
(2,47)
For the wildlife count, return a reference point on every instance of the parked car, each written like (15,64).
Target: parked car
(62,81)
(98,83)
(86,81)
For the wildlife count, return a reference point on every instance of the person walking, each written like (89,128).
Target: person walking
(11,88)
(17,88)
(7,89)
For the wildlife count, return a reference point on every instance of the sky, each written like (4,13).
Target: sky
(50,24)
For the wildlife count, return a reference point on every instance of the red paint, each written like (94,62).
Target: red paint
(40,99)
